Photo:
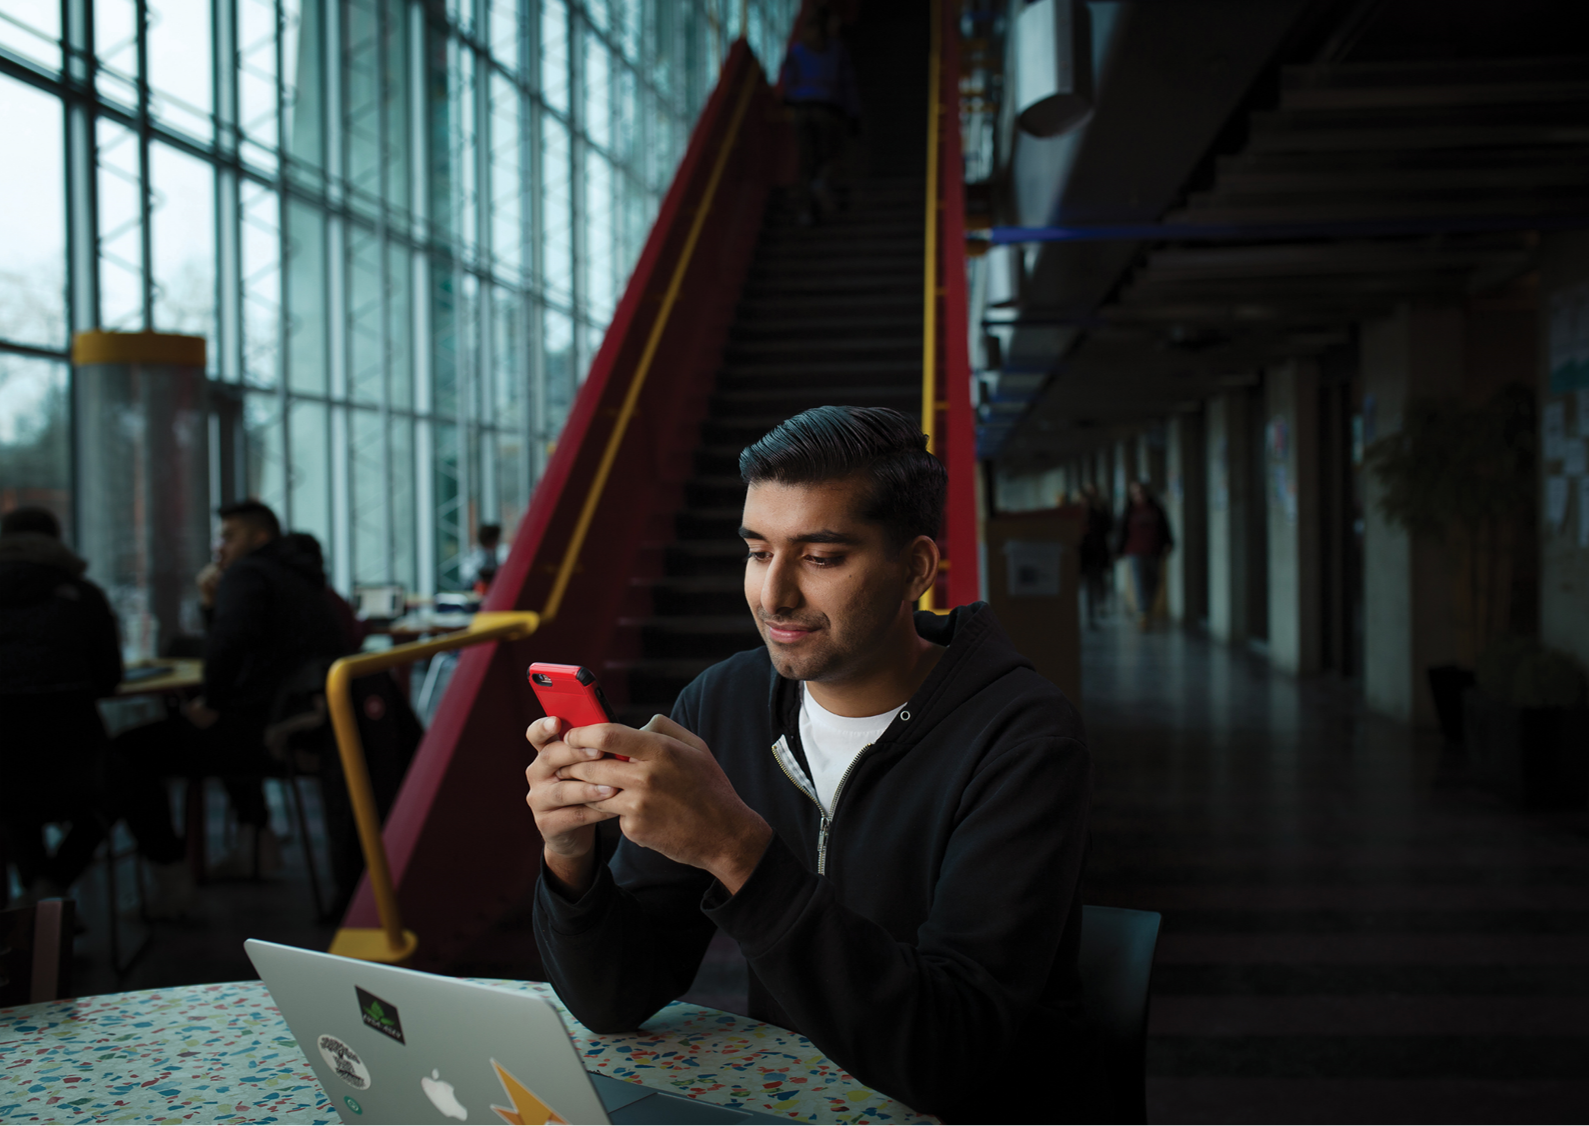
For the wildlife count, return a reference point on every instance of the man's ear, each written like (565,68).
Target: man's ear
(921,562)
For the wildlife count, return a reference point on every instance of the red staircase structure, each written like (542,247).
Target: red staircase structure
(462,846)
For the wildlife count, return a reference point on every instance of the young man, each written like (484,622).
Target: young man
(266,614)
(886,809)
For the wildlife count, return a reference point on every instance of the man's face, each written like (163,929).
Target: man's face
(238,538)
(824,584)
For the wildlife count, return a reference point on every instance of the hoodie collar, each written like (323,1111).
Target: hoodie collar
(976,652)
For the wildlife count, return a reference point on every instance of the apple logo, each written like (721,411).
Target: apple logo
(439,1092)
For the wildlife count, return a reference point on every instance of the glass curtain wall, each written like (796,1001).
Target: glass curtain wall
(402,226)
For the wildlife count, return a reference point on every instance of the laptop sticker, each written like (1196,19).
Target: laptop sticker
(343,1060)
(442,1096)
(353,1104)
(527,1110)
(380,1015)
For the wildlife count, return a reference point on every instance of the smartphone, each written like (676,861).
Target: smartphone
(570,693)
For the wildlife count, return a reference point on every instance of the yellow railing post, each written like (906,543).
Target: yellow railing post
(929,295)
(390,942)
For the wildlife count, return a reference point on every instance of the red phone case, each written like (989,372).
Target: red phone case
(570,693)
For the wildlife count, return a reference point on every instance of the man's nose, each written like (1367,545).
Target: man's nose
(779,590)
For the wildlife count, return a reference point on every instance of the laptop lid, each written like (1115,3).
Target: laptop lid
(396,1045)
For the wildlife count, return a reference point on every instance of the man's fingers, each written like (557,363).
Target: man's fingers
(662,725)
(543,731)
(552,757)
(559,795)
(569,818)
(611,739)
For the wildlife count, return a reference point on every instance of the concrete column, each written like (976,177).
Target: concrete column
(1227,453)
(1291,488)
(1407,582)
(1564,386)
(1186,501)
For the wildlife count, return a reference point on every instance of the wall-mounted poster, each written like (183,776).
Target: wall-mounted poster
(1033,568)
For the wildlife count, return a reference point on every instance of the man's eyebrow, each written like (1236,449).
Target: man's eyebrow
(823,535)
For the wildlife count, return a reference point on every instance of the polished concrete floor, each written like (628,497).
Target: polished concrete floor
(1353,930)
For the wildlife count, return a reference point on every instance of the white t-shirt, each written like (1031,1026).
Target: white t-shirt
(831,742)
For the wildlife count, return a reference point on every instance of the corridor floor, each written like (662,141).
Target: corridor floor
(1353,930)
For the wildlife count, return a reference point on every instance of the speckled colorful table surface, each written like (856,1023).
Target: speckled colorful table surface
(222,1053)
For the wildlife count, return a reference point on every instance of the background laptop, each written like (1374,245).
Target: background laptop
(396,1045)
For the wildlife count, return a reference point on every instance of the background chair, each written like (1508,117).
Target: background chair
(36,952)
(1116,964)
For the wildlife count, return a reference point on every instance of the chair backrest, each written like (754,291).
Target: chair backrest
(1116,964)
(36,952)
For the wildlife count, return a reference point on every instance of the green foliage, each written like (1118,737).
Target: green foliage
(1522,672)
(1451,464)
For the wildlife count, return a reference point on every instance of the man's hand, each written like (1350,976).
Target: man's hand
(671,797)
(208,582)
(199,714)
(566,821)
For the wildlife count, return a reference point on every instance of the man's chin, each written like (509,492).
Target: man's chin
(806,666)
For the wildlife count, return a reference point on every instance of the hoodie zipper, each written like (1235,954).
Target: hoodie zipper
(826,822)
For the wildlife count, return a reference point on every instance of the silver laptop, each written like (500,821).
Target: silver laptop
(396,1045)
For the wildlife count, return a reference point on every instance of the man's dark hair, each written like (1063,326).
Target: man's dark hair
(490,535)
(887,447)
(254,513)
(30,518)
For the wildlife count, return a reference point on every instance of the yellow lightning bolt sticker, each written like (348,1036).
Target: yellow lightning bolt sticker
(527,1110)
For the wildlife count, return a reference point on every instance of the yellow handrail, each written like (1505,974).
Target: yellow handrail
(554,601)
(929,297)
(390,942)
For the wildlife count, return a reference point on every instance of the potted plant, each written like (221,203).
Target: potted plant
(1528,726)
(1464,476)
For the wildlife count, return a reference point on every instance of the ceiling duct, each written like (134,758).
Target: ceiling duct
(1053,66)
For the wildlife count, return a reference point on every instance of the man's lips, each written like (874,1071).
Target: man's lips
(786,634)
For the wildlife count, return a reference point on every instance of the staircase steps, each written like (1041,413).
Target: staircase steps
(829,314)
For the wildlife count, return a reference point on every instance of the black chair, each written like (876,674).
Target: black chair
(1116,964)
(36,952)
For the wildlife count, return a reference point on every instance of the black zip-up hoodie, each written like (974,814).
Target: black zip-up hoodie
(933,955)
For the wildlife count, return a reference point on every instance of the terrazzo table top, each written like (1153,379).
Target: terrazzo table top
(222,1053)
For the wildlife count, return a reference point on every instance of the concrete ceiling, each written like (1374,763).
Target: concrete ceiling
(1378,134)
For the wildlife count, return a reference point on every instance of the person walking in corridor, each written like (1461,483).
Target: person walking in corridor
(1095,557)
(1145,539)
(818,82)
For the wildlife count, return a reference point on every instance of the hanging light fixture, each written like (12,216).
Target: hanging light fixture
(1053,66)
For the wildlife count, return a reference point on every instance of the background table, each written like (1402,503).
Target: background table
(222,1053)
(182,675)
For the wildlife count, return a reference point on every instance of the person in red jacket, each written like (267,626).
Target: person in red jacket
(1145,539)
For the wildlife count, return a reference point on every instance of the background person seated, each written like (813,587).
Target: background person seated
(480,566)
(267,615)
(60,651)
